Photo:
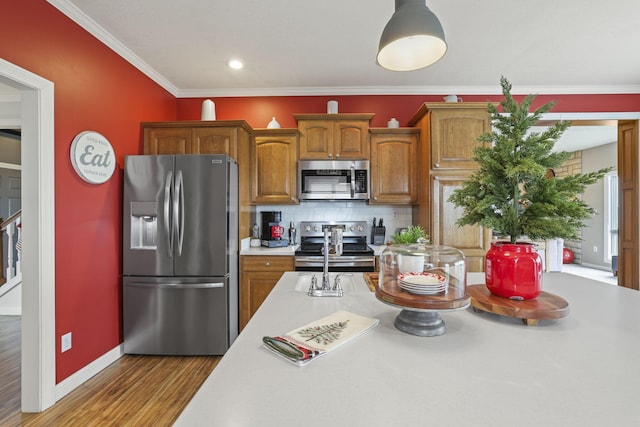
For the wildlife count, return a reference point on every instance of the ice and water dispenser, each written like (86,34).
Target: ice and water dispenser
(144,225)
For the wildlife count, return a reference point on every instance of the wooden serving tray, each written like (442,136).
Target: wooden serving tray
(372,280)
(392,294)
(545,306)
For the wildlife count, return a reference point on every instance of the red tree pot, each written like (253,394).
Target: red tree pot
(513,270)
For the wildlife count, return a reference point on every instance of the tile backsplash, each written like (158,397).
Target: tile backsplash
(394,216)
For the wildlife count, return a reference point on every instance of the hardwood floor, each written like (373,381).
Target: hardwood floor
(133,391)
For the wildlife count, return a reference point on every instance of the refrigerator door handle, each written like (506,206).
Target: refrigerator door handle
(168,220)
(179,209)
(206,285)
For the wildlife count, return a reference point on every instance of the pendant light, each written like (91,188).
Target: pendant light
(412,39)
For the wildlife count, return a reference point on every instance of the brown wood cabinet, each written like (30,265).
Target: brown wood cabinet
(174,140)
(394,166)
(454,129)
(449,132)
(258,276)
(472,240)
(274,154)
(208,137)
(195,137)
(334,136)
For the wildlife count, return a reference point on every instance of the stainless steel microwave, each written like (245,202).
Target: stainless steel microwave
(333,180)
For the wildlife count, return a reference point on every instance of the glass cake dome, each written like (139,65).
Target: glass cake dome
(422,280)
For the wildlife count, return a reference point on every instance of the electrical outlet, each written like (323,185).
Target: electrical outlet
(66,342)
(595,249)
(395,214)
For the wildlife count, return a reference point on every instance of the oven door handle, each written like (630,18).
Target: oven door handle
(336,259)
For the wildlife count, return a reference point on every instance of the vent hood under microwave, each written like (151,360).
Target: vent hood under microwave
(333,180)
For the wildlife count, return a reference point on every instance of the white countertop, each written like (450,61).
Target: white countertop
(247,249)
(486,370)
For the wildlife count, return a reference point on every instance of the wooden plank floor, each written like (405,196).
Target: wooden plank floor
(133,391)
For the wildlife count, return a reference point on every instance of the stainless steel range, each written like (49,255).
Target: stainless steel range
(356,253)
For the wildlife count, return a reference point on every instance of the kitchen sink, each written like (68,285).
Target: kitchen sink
(346,281)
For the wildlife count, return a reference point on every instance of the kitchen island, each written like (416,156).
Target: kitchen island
(486,370)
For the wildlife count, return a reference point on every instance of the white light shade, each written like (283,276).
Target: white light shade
(412,39)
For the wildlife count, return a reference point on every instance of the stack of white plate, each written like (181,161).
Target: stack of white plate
(423,283)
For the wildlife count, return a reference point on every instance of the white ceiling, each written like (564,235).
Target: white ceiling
(329,47)
(298,47)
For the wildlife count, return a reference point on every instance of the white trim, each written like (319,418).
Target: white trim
(595,267)
(631,115)
(84,21)
(89,25)
(12,283)
(12,166)
(10,123)
(80,377)
(38,204)
(607,253)
(403,90)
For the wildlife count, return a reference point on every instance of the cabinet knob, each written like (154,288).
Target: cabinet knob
(338,155)
(330,155)
(437,165)
(267,264)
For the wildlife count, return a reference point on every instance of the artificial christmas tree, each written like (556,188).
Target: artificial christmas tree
(514,193)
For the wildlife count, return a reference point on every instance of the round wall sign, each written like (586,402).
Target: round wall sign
(93,157)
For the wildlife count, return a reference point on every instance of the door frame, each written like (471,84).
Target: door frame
(38,371)
(625,116)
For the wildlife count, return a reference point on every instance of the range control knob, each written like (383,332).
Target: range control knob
(360,228)
(307,228)
(352,227)
(315,228)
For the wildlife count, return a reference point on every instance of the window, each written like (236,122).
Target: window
(610,215)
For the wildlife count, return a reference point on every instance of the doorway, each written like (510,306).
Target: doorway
(629,167)
(38,251)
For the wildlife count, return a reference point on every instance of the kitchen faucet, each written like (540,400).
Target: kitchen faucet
(332,245)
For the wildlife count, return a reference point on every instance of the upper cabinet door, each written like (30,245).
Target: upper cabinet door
(216,140)
(175,140)
(273,167)
(454,134)
(334,136)
(316,139)
(351,139)
(394,166)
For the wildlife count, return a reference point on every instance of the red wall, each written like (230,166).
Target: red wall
(257,111)
(97,90)
(94,89)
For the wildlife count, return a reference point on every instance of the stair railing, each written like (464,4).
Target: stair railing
(12,226)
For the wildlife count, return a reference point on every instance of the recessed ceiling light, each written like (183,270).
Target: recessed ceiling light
(236,64)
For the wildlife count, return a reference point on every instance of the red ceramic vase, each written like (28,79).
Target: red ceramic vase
(513,270)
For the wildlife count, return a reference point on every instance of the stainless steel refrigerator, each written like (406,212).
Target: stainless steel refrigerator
(180,254)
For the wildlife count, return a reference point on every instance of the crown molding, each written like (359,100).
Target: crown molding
(88,24)
(406,90)
(105,37)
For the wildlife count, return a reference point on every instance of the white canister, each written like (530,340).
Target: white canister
(452,98)
(393,123)
(208,110)
(332,107)
(273,124)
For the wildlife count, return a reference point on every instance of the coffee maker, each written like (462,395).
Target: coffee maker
(272,231)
